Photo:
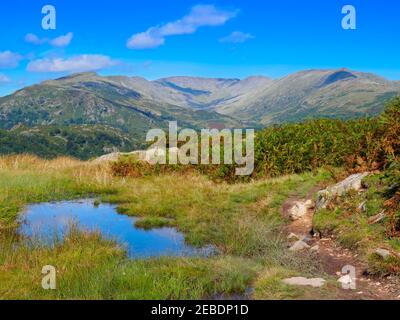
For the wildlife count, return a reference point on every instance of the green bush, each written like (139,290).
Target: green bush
(359,145)
(295,148)
(390,130)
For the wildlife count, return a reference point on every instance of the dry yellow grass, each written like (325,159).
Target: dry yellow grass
(31,162)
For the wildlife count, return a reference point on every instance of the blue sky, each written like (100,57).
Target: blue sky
(217,38)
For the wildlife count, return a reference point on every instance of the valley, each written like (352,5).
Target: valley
(262,249)
(132,105)
(314,129)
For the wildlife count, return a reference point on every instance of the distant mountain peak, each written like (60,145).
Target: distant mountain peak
(75,77)
(80,75)
(135,104)
(339,75)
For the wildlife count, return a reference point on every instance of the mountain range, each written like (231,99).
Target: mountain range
(133,105)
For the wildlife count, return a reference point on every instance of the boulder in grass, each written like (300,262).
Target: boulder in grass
(353,182)
(298,246)
(383,253)
(299,209)
(301,281)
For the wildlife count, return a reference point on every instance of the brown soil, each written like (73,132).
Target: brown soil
(333,258)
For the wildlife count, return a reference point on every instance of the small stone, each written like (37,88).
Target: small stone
(377,218)
(301,281)
(314,248)
(309,204)
(298,210)
(383,253)
(293,236)
(299,245)
(362,207)
(306,238)
(353,182)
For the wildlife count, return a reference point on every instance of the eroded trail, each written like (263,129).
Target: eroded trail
(334,258)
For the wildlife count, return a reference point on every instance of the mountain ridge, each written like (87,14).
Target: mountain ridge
(134,104)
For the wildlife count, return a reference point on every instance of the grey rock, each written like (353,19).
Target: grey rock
(362,207)
(107,157)
(353,182)
(150,155)
(301,281)
(385,254)
(292,236)
(140,155)
(299,209)
(314,248)
(299,245)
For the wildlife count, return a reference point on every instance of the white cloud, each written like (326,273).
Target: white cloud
(61,41)
(34,39)
(146,40)
(9,60)
(85,62)
(199,16)
(4,79)
(237,37)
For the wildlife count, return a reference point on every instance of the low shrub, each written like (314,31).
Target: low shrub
(359,145)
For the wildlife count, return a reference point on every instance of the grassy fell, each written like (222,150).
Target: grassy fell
(352,228)
(242,220)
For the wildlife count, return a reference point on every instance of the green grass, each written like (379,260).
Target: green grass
(237,219)
(89,267)
(154,222)
(269,286)
(19,187)
(352,229)
(242,220)
(383,267)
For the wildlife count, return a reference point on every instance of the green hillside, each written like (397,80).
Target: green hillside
(91,99)
(79,141)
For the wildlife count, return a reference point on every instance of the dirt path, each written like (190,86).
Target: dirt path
(334,258)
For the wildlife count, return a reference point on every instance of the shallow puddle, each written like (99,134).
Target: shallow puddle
(46,221)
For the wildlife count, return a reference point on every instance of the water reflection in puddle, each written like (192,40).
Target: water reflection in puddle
(49,220)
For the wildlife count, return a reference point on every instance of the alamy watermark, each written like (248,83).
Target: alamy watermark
(348,280)
(49,21)
(349,21)
(203,146)
(49,279)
